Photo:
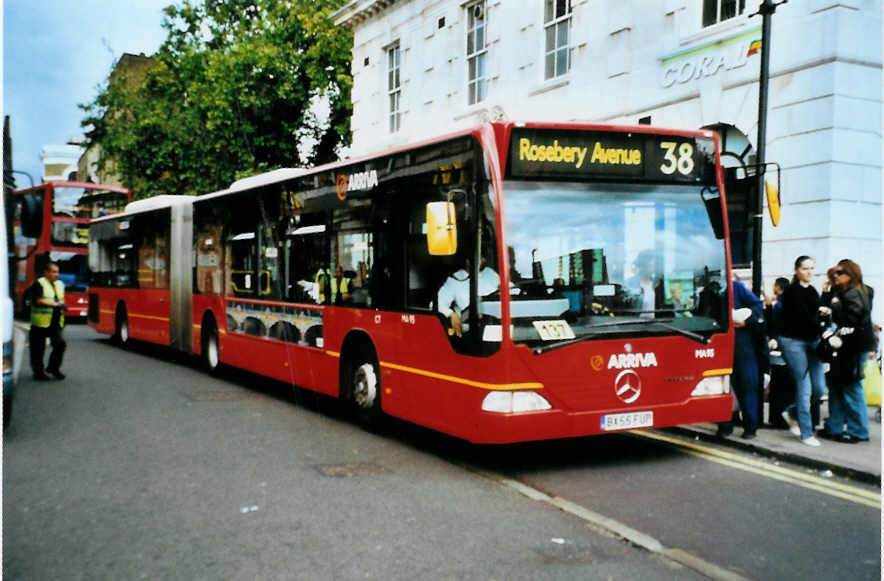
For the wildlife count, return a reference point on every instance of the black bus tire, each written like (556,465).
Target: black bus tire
(121,326)
(362,386)
(211,349)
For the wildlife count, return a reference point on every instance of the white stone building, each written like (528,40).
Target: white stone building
(60,162)
(427,67)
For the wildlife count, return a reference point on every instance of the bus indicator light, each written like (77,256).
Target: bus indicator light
(506,402)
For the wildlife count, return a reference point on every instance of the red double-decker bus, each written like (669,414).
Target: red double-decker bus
(53,225)
(512,282)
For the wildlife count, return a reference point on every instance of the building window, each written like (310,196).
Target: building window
(477,51)
(557,26)
(394,87)
(715,11)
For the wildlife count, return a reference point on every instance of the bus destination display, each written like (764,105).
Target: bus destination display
(538,153)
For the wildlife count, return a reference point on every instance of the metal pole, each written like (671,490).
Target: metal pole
(766,9)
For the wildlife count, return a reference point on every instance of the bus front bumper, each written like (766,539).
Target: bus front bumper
(505,428)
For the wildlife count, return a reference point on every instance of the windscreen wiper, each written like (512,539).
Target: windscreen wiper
(690,334)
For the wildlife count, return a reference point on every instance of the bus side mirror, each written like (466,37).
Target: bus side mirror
(773,202)
(441,229)
(712,200)
(31,215)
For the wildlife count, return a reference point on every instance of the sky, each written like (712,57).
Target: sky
(56,55)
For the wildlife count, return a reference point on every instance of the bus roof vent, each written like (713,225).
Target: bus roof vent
(270,177)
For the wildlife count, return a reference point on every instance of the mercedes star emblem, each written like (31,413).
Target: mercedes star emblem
(628,386)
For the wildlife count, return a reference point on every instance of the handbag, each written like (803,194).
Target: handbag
(829,343)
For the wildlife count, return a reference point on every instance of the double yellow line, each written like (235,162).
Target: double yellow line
(809,481)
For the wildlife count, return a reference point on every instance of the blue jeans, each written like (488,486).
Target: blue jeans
(746,379)
(847,403)
(810,379)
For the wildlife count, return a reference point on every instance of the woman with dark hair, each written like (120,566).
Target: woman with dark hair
(851,306)
(799,336)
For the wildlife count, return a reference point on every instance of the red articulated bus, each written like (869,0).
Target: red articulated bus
(52,224)
(511,282)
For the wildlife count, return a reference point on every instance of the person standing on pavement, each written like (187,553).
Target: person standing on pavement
(748,337)
(781,393)
(799,337)
(851,307)
(47,321)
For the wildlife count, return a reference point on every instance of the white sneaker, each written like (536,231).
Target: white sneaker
(793,425)
(811,441)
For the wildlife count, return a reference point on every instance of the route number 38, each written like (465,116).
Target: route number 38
(684,162)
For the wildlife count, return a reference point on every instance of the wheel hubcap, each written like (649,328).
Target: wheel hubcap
(365,386)
(212,352)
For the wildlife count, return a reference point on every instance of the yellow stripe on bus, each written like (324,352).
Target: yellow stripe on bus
(151,317)
(462,381)
(717,372)
(453,379)
(136,315)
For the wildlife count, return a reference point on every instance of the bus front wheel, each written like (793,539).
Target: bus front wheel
(363,381)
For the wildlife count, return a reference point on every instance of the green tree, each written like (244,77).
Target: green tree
(234,91)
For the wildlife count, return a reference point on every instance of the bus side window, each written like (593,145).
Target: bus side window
(241,247)
(209,259)
(153,251)
(269,263)
(306,258)
(355,255)
(425,273)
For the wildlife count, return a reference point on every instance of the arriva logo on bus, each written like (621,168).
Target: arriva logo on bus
(632,360)
(364,180)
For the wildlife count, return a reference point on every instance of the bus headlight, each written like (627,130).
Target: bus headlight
(506,402)
(716,385)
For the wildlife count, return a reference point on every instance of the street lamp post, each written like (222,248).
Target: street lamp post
(766,9)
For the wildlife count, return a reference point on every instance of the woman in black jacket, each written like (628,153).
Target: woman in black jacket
(851,306)
(799,336)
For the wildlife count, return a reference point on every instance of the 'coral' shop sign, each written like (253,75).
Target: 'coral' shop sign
(709,59)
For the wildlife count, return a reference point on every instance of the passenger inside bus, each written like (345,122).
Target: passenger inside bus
(648,291)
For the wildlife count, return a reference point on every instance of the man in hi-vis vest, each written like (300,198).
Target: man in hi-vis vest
(47,320)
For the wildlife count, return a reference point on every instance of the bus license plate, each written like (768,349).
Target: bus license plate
(627,421)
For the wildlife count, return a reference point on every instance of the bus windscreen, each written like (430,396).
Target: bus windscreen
(75,202)
(617,258)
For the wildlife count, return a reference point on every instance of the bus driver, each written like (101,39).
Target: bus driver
(454,294)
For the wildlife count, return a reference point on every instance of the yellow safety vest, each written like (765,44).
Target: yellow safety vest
(345,288)
(322,273)
(41,315)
